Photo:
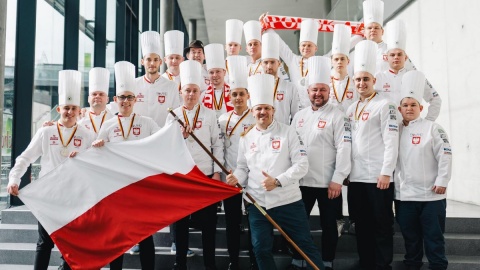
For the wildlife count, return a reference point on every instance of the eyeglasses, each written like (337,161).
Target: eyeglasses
(129,98)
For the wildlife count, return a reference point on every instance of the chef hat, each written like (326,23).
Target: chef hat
(270,46)
(309,31)
(261,87)
(173,42)
(124,77)
(69,87)
(233,31)
(396,35)
(413,85)
(341,39)
(98,80)
(237,73)
(191,73)
(319,70)
(150,43)
(365,57)
(373,12)
(214,56)
(252,30)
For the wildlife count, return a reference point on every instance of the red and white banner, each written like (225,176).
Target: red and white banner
(99,204)
(293,23)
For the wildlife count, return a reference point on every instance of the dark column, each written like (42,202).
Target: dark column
(100,38)
(23,83)
(70,41)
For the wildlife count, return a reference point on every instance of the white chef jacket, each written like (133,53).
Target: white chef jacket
(94,122)
(173,78)
(390,85)
(47,144)
(154,98)
(424,160)
(207,131)
(231,140)
(374,139)
(346,93)
(142,127)
(327,137)
(278,151)
(286,102)
(252,67)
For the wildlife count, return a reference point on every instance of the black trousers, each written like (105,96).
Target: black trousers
(233,218)
(373,212)
(328,218)
(207,219)
(44,250)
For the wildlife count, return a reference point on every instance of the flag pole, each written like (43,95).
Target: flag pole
(254,202)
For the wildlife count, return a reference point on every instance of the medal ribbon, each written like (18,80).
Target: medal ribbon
(218,106)
(275,89)
(129,128)
(234,127)
(250,71)
(301,69)
(344,92)
(357,116)
(185,116)
(93,122)
(61,136)
(171,78)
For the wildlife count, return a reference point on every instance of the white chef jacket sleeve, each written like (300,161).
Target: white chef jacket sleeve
(343,144)
(431,96)
(217,142)
(32,153)
(298,158)
(443,155)
(241,172)
(295,102)
(103,133)
(389,127)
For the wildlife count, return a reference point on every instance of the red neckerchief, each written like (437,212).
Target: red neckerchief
(208,98)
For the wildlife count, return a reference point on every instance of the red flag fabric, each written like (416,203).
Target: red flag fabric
(99,204)
(293,23)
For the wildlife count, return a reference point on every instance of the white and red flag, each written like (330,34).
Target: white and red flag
(100,203)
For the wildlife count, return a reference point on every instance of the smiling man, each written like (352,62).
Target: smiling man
(154,94)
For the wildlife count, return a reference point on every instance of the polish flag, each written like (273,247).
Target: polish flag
(99,204)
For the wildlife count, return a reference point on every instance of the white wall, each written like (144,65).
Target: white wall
(443,41)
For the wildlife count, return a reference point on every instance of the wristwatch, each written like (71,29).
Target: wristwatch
(277,183)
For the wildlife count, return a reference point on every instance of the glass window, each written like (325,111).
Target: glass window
(85,43)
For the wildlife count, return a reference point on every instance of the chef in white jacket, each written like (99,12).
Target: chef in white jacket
(389,81)
(204,124)
(271,161)
(325,130)
(154,93)
(423,171)
(284,94)
(374,156)
(54,144)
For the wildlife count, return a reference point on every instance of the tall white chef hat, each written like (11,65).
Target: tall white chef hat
(270,46)
(173,42)
(413,85)
(309,31)
(124,76)
(150,43)
(98,80)
(373,12)
(69,87)
(191,73)
(237,73)
(341,39)
(261,87)
(233,31)
(396,35)
(214,56)
(365,57)
(252,30)
(319,68)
